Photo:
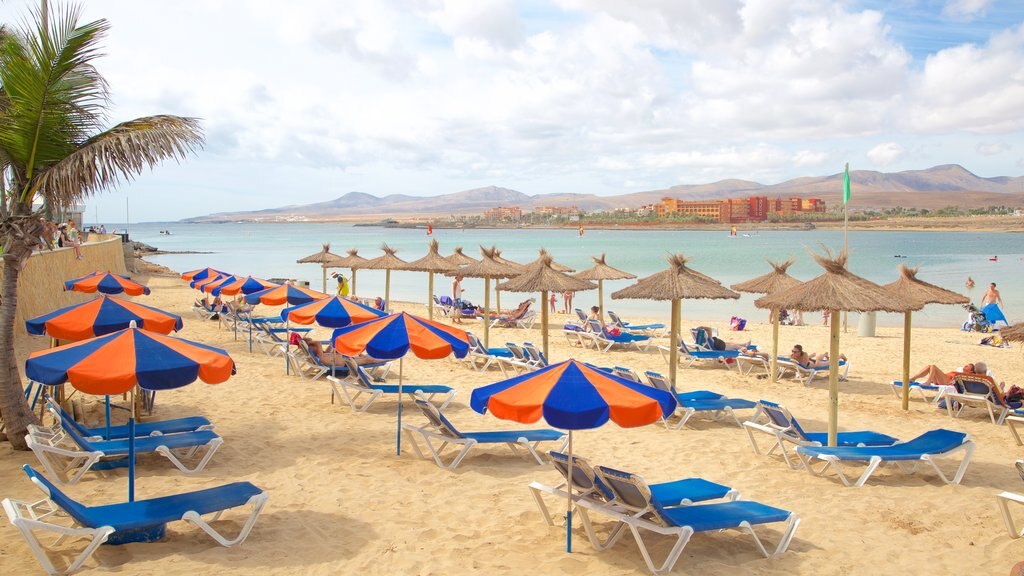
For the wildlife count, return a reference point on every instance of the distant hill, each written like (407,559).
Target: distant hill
(936,187)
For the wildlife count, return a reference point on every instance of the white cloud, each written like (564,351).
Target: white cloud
(993,148)
(809,158)
(965,9)
(886,154)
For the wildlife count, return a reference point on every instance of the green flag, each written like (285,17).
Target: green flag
(846,185)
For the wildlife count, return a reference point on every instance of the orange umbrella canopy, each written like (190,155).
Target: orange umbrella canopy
(101,316)
(105,283)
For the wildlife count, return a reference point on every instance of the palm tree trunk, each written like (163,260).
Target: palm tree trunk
(13,407)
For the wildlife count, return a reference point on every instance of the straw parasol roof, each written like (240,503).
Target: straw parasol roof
(679,281)
(912,289)
(513,265)
(770,283)
(541,276)
(352,260)
(487,267)
(837,289)
(386,261)
(324,256)
(554,265)
(432,262)
(460,259)
(1014,333)
(602,271)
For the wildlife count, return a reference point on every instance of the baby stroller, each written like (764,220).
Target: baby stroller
(785,318)
(976,321)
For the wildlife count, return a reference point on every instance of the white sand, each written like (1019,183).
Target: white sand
(342,502)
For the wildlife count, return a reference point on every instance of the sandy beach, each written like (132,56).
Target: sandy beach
(342,502)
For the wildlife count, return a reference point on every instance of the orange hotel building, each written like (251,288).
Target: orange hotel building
(738,210)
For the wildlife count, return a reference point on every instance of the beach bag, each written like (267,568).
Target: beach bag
(737,323)
(294,338)
(572,327)
(612,331)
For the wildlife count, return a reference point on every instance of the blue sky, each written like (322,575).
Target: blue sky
(424,97)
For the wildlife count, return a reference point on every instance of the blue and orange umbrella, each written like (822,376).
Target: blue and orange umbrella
(392,337)
(117,363)
(571,396)
(247,285)
(202,274)
(105,283)
(334,312)
(285,294)
(101,316)
(198,284)
(210,287)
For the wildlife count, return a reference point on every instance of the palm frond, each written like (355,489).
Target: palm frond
(121,152)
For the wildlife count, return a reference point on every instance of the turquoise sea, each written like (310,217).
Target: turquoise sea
(945,258)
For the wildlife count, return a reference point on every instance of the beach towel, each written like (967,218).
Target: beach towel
(737,323)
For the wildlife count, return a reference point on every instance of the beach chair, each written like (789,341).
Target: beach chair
(1012,421)
(776,421)
(691,356)
(512,319)
(587,485)
(441,429)
(445,305)
(308,365)
(604,342)
(272,341)
(806,374)
(927,448)
(480,358)
(138,521)
(520,358)
(627,373)
(703,402)
(574,335)
(654,330)
(645,515)
(358,383)
(979,390)
(67,455)
(1004,499)
(155,428)
(928,392)
(537,358)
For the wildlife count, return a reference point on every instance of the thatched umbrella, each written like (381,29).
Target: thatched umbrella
(323,258)
(487,268)
(554,265)
(460,259)
(516,268)
(770,283)
(353,261)
(1014,333)
(836,290)
(541,276)
(600,272)
(912,289)
(432,262)
(675,284)
(387,262)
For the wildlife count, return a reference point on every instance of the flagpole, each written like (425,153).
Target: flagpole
(846,229)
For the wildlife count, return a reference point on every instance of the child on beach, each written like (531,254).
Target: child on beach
(76,240)
(553,302)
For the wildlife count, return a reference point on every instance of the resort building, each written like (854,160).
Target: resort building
(504,214)
(555,210)
(737,210)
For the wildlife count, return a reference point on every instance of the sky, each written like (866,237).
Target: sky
(308,101)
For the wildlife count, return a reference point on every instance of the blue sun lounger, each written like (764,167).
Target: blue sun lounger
(648,329)
(155,428)
(139,521)
(705,402)
(586,484)
(927,447)
(783,427)
(67,455)
(439,428)
(639,511)
(358,382)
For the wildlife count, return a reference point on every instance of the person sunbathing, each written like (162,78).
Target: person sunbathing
(821,361)
(932,375)
(716,343)
(331,358)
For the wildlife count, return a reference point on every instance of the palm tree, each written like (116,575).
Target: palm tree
(53,147)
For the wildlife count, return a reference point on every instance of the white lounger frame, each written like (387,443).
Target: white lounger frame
(1003,500)
(29,517)
(906,466)
(351,389)
(428,432)
(68,465)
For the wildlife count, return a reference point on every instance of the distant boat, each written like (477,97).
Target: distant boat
(994,259)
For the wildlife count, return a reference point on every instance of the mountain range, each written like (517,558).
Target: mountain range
(937,187)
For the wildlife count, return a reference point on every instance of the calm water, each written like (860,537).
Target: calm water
(946,259)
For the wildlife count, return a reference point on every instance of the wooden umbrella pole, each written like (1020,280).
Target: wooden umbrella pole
(600,298)
(673,354)
(497,300)
(387,290)
(544,322)
(353,283)
(568,505)
(906,360)
(398,437)
(773,362)
(430,298)
(487,312)
(324,266)
(833,380)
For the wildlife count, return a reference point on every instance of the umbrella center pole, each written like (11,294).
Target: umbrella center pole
(600,298)
(568,504)
(401,400)
(131,451)
(544,323)
(353,283)
(774,360)
(906,360)
(673,354)
(324,266)
(430,298)
(487,312)
(387,290)
(833,380)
